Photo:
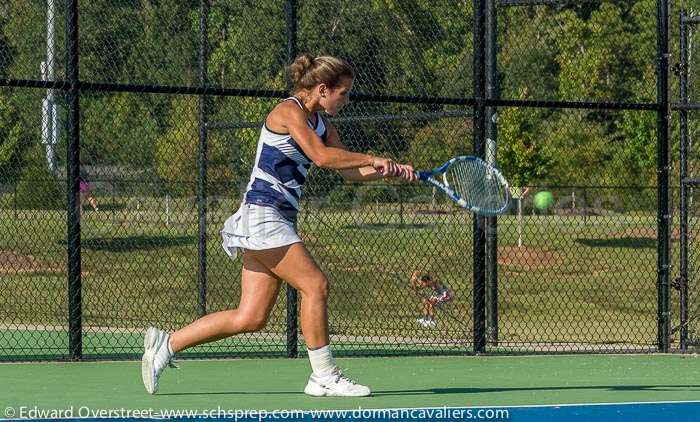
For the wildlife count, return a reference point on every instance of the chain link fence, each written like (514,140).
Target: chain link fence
(159,105)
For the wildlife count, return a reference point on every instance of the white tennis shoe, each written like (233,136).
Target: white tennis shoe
(156,357)
(335,385)
(426,322)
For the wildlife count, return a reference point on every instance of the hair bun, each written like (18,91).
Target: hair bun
(306,71)
(301,65)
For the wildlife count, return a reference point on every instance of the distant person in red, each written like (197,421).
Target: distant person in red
(85,191)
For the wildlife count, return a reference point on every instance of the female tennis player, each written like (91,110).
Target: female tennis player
(294,136)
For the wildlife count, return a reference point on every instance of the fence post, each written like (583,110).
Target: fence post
(491,156)
(684,187)
(203,152)
(75,343)
(290,13)
(663,166)
(479,238)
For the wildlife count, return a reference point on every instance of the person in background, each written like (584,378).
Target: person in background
(85,190)
(439,296)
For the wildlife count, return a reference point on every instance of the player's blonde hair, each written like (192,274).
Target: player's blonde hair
(308,71)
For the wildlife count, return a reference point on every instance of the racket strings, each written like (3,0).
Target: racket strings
(478,185)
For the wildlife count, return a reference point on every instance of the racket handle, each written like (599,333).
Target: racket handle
(422,175)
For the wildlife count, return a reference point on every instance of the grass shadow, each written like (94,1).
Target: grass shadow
(622,242)
(131,243)
(387,226)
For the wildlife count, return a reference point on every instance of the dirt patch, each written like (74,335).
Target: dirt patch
(528,258)
(12,262)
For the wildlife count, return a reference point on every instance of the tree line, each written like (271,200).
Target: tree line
(585,50)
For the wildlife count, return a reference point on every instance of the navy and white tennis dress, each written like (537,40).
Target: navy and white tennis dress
(267,215)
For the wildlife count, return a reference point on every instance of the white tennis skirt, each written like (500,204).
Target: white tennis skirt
(258,228)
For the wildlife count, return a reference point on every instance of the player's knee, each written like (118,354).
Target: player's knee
(318,289)
(252,323)
(255,324)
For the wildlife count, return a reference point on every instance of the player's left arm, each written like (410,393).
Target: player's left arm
(361,174)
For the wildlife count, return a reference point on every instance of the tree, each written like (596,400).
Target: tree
(606,53)
(22,35)
(14,138)
(163,38)
(438,142)
(118,129)
(593,55)
(247,44)
(38,188)
(176,152)
(633,159)
(5,49)
(526,51)
(521,151)
(108,35)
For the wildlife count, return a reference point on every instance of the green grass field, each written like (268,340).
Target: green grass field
(575,279)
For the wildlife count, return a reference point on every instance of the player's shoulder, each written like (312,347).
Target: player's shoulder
(288,106)
(284,113)
(287,110)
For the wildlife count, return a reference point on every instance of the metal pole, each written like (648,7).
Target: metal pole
(203,152)
(491,157)
(663,166)
(49,119)
(479,239)
(75,343)
(290,13)
(684,187)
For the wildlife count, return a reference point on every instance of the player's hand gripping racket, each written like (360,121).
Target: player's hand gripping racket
(472,183)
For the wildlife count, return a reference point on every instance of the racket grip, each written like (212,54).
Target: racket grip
(422,175)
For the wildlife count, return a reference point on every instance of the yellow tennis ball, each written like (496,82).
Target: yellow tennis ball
(543,200)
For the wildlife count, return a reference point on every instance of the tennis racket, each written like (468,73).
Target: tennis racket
(472,183)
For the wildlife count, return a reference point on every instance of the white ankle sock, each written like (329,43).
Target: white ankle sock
(322,361)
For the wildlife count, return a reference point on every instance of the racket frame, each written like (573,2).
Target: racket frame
(429,177)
